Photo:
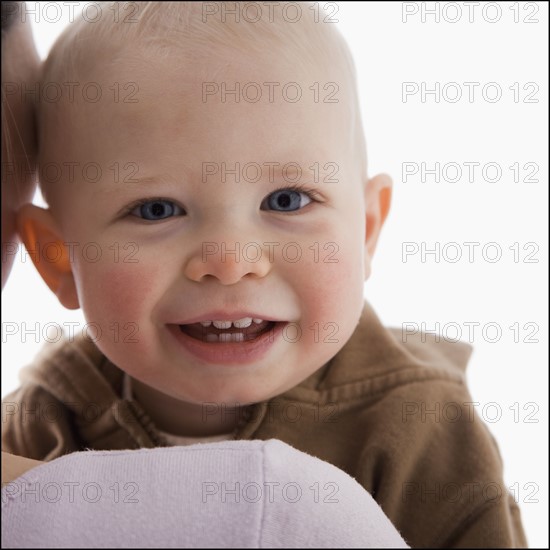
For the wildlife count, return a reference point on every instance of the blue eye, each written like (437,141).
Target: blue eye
(287,200)
(157,210)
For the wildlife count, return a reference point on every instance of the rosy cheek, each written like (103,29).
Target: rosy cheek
(120,298)
(332,290)
(120,293)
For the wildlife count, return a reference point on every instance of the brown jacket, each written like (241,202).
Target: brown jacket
(395,415)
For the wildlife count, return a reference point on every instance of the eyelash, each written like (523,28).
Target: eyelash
(147,200)
(299,188)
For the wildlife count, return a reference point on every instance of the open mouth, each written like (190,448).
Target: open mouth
(242,342)
(242,330)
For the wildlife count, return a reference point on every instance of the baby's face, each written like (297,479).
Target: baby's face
(182,242)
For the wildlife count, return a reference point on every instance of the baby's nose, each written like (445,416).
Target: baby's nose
(228,262)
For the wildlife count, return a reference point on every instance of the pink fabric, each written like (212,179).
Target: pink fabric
(231,494)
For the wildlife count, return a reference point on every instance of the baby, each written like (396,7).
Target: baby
(210,212)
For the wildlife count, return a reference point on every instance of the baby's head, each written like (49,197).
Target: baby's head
(203,204)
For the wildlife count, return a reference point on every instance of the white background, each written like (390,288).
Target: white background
(389,51)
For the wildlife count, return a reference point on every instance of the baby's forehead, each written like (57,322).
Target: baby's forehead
(189,81)
(229,78)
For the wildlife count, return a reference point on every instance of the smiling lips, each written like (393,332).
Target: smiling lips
(226,331)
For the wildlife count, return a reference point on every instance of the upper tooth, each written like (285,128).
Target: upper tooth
(222,324)
(243,323)
(238,323)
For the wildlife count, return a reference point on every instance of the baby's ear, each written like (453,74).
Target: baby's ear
(378,192)
(42,238)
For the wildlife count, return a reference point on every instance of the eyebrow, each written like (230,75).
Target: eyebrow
(273,172)
(130,182)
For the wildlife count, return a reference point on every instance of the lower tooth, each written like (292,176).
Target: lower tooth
(212,338)
(231,337)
